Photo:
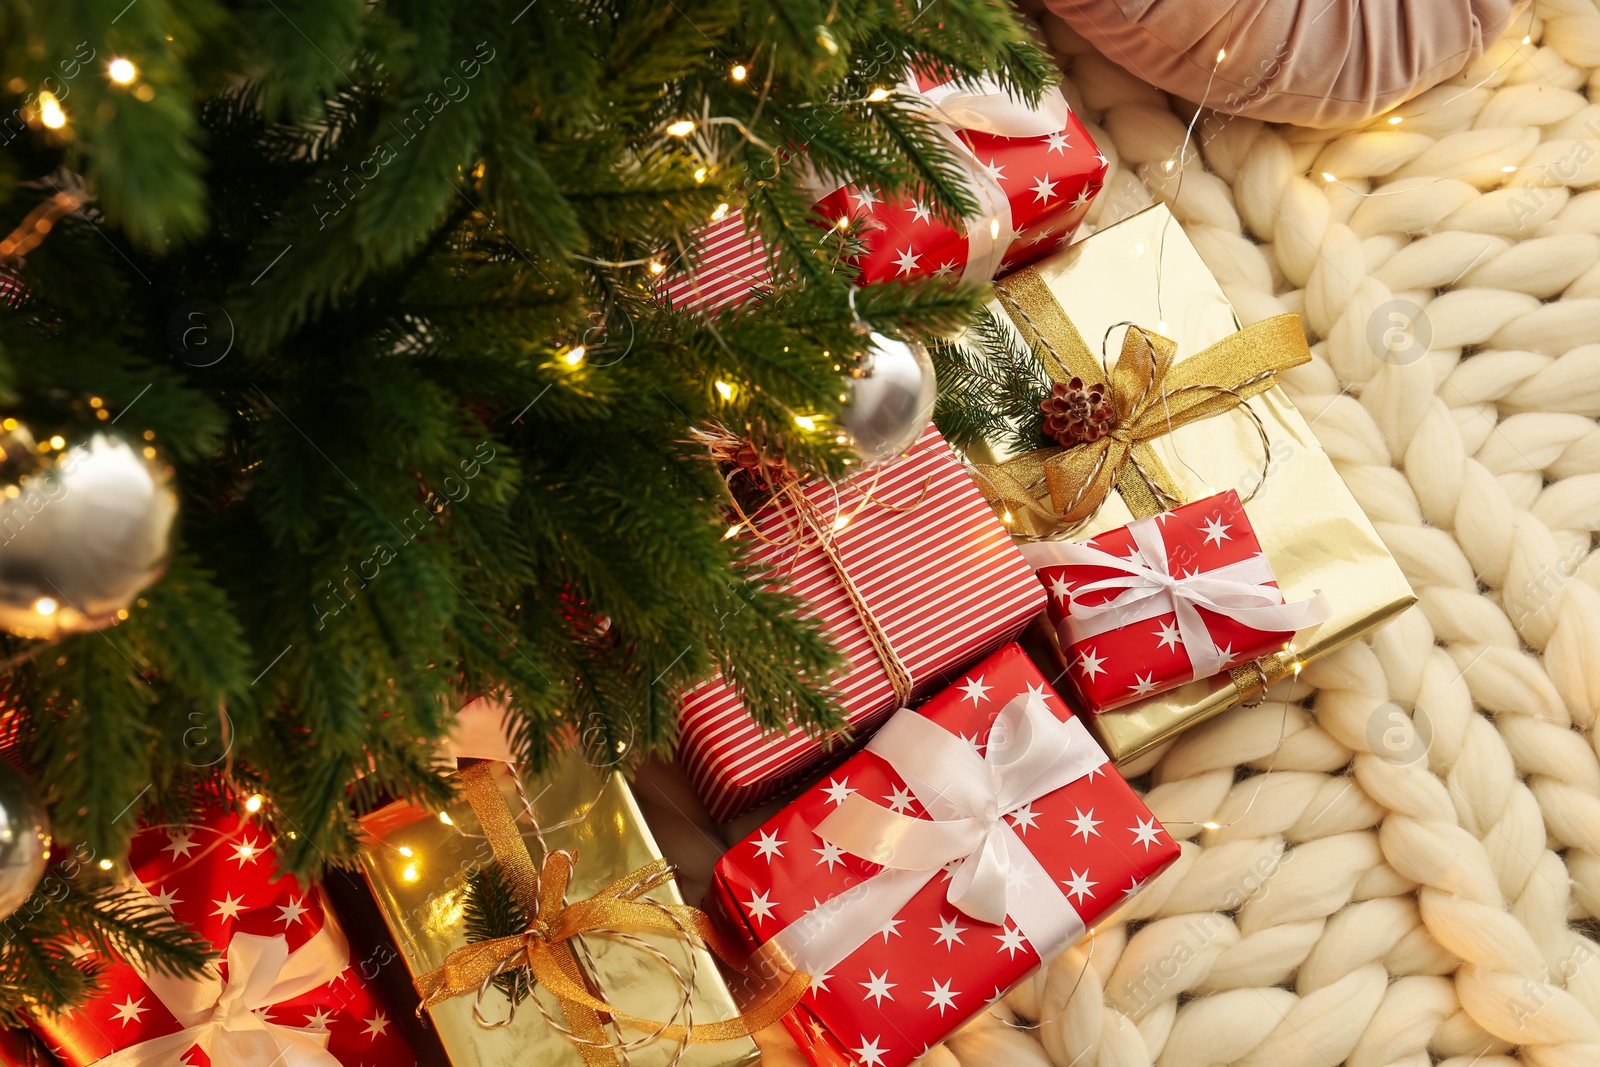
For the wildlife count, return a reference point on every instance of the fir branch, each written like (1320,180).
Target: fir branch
(491,912)
(990,389)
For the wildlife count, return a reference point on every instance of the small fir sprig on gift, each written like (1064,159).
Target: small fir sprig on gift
(492,913)
(992,389)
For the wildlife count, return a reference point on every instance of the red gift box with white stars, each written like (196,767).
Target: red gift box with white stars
(1134,650)
(785,890)
(1032,171)
(285,991)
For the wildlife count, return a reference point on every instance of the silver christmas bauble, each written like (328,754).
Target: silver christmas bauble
(24,838)
(83,530)
(891,399)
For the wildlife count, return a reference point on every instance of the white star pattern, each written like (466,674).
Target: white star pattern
(129,1010)
(891,928)
(899,800)
(247,852)
(870,1053)
(1040,237)
(768,845)
(378,1024)
(1100,158)
(907,260)
(1085,824)
(760,905)
(1036,689)
(877,986)
(166,899)
(829,853)
(1097,771)
(973,743)
(974,690)
(919,210)
(1082,198)
(949,869)
(837,790)
(1079,885)
(1134,556)
(997,171)
(319,1019)
(1143,683)
(1044,189)
(1089,663)
(1225,651)
(947,933)
(229,906)
(1146,833)
(1026,818)
(1019,878)
(182,843)
(1010,940)
(290,912)
(944,269)
(1059,588)
(1169,635)
(1217,531)
(1132,890)
(820,981)
(940,995)
(865,199)
(1057,142)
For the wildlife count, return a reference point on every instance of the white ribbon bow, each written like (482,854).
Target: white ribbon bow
(221,1018)
(994,877)
(1148,589)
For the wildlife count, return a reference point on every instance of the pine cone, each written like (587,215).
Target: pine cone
(1075,413)
(765,465)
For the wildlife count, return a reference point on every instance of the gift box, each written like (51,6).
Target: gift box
(941,584)
(1146,607)
(973,838)
(1032,170)
(419,864)
(285,991)
(1145,271)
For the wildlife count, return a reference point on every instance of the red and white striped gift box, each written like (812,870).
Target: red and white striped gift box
(940,575)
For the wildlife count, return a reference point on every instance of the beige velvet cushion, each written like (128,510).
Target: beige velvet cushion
(1310,62)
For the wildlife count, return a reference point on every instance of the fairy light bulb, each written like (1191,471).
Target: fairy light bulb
(1395,120)
(1327,177)
(805,422)
(1222,53)
(444,817)
(877,96)
(574,355)
(122,71)
(732,531)
(254,802)
(45,606)
(724,390)
(739,72)
(1212,825)
(681,128)
(720,213)
(699,175)
(656,267)
(50,112)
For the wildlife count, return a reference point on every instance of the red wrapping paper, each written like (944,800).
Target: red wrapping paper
(217,875)
(1033,191)
(933,967)
(1117,668)
(938,571)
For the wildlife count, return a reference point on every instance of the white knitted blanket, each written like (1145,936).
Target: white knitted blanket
(1334,904)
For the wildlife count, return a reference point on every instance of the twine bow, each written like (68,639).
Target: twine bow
(545,946)
(1152,394)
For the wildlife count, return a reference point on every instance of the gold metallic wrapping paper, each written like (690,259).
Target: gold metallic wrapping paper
(418,865)
(1144,270)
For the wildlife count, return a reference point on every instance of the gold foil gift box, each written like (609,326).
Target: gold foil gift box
(1144,271)
(418,864)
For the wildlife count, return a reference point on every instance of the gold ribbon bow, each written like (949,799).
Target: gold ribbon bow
(1152,394)
(545,946)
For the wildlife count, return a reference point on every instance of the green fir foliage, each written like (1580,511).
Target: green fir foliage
(990,388)
(335,266)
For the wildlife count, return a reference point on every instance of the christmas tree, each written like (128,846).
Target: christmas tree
(379,284)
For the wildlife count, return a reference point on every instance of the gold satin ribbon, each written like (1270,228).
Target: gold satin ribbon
(545,946)
(1152,393)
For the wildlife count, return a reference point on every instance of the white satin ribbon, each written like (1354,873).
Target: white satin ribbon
(993,876)
(219,1016)
(1148,589)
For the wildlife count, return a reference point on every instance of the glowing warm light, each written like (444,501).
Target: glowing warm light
(1528,39)
(122,71)
(1170,165)
(246,851)
(738,73)
(844,222)
(733,530)
(994,228)
(405,851)
(1138,249)
(1508,169)
(1222,53)
(1006,518)
(720,213)
(725,390)
(105,865)
(253,804)
(95,402)
(45,606)
(410,873)
(841,522)
(1297,666)
(57,441)
(574,356)
(444,817)
(50,112)
(681,128)
(149,453)
(1395,120)
(700,174)
(806,422)
(878,96)
(656,267)
(1328,177)
(1212,825)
